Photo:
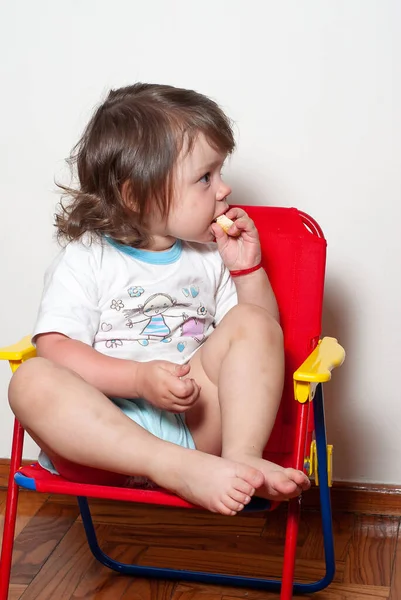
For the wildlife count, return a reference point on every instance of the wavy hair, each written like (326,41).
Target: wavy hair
(133,140)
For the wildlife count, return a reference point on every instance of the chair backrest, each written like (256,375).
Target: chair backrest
(294,256)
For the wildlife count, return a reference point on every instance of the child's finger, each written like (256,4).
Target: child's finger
(183,404)
(221,236)
(193,396)
(175,369)
(234,213)
(182,370)
(218,232)
(194,392)
(182,388)
(244,225)
(244,222)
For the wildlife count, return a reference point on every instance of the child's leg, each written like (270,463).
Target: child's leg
(240,369)
(71,419)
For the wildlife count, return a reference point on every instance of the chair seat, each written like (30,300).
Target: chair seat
(294,255)
(34,477)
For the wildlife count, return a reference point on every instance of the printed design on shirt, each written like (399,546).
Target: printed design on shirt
(135,291)
(191,290)
(113,343)
(154,311)
(106,327)
(202,311)
(194,327)
(117,304)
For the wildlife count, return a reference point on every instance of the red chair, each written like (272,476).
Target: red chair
(294,253)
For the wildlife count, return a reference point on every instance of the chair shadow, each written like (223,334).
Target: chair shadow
(336,323)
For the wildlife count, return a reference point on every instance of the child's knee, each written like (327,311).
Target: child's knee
(29,383)
(249,320)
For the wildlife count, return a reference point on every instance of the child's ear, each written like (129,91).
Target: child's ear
(128,196)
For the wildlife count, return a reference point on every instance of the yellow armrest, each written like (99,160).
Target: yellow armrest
(18,352)
(317,368)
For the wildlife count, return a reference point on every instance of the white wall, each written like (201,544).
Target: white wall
(314,87)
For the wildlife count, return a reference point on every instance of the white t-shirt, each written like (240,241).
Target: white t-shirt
(136,304)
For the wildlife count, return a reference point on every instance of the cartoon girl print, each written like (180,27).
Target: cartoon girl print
(153,310)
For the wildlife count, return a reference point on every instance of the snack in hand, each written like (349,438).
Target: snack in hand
(224,222)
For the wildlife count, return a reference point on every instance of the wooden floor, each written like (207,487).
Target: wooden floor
(52,561)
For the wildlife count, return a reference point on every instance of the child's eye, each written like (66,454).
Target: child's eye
(205,178)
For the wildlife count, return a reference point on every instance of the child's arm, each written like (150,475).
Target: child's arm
(239,247)
(255,288)
(157,381)
(112,376)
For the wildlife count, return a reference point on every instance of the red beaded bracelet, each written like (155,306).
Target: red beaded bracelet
(245,271)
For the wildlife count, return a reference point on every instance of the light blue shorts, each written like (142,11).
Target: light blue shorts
(164,425)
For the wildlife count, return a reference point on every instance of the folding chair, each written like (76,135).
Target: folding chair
(294,253)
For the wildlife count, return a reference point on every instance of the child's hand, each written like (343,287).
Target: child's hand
(158,381)
(240,248)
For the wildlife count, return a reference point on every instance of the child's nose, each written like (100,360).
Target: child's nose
(223,192)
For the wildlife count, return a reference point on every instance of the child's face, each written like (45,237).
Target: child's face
(200,195)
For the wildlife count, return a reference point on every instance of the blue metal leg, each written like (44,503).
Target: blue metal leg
(158,573)
(234,580)
(325,502)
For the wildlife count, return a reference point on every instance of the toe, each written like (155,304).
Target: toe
(240,496)
(242,486)
(232,504)
(283,484)
(223,509)
(252,476)
(299,478)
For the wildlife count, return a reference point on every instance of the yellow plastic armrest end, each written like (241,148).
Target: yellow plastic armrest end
(19,352)
(318,366)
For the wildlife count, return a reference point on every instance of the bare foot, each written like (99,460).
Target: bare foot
(280,483)
(217,484)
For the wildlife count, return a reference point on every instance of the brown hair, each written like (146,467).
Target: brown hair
(134,138)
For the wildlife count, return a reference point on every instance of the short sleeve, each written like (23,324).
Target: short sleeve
(69,302)
(226,294)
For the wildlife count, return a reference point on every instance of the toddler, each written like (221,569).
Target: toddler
(160,354)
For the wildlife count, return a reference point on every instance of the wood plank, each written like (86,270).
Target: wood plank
(64,499)
(276,523)
(159,538)
(15,591)
(141,589)
(310,537)
(167,543)
(64,569)
(364,498)
(396,576)
(5,471)
(343,527)
(336,591)
(371,551)
(151,518)
(102,583)
(28,504)
(39,538)
(189,593)
(235,563)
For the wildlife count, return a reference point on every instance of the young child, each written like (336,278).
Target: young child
(160,353)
